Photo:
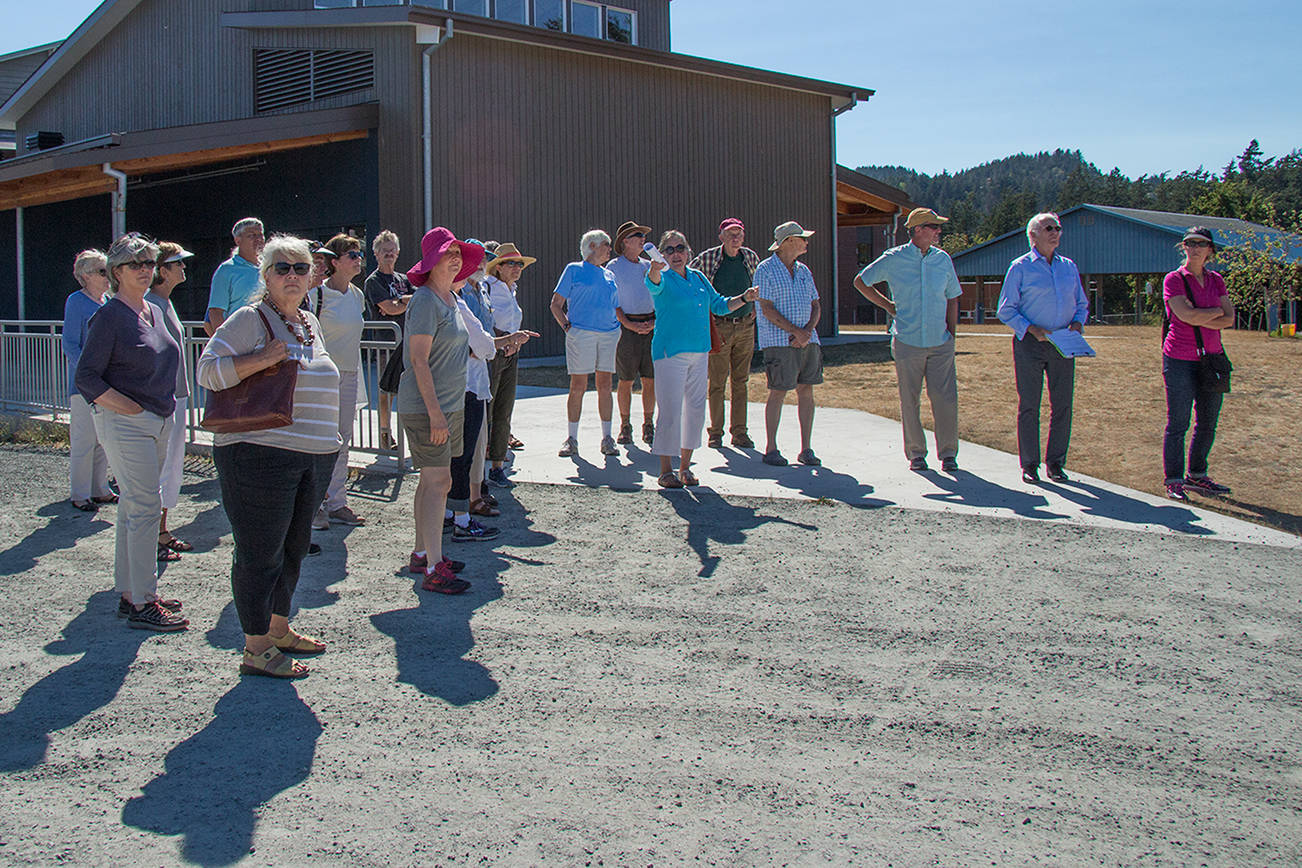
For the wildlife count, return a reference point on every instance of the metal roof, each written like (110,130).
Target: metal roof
(1102,239)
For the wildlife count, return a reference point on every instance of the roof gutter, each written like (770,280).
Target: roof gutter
(427,122)
(119,200)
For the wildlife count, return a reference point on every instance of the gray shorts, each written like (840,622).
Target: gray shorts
(788,367)
(425,453)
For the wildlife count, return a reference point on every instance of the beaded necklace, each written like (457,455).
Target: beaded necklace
(308,338)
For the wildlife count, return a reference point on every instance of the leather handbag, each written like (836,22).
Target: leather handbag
(259,402)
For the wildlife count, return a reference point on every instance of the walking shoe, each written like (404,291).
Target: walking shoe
(608,446)
(569,448)
(154,617)
(313,549)
(949,465)
(443,581)
(473,532)
(480,506)
(515,443)
(489,500)
(1175,491)
(344,515)
(715,441)
(808,457)
(418,564)
(743,441)
(448,524)
(124,608)
(1205,485)
(1057,474)
(387,442)
(774,458)
(625,433)
(497,476)
(648,431)
(321,521)
(1031,475)
(669,479)
(917,465)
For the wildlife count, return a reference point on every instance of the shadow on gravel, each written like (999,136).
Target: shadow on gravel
(1119,507)
(260,742)
(67,525)
(710,518)
(70,693)
(813,482)
(614,473)
(971,490)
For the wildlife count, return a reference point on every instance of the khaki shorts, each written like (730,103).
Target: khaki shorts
(633,355)
(587,351)
(425,453)
(788,367)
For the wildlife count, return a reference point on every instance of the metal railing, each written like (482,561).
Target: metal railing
(34,376)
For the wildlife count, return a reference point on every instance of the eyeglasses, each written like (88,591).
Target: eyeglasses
(1193,242)
(102,272)
(299,268)
(512,263)
(139,265)
(1050,228)
(677,248)
(355,254)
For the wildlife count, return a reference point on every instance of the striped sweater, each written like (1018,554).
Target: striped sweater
(316,396)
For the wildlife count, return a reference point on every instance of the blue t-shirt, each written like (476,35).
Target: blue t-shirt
(633,297)
(77,311)
(592,295)
(137,358)
(233,284)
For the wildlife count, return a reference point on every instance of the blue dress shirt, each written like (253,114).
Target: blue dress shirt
(1042,292)
(921,287)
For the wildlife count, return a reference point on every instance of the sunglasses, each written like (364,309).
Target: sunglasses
(677,248)
(299,268)
(139,265)
(355,254)
(936,226)
(102,272)
(512,263)
(1190,242)
(1050,228)
(636,235)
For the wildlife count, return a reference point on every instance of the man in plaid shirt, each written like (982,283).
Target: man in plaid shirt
(730,268)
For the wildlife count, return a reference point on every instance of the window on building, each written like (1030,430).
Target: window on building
(515,11)
(471,7)
(586,19)
(621,25)
(549,14)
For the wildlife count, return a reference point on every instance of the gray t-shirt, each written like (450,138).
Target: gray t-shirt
(174,327)
(633,295)
(427,314)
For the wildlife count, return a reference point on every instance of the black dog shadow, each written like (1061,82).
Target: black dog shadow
(710,518)
(71,692)
(260,742)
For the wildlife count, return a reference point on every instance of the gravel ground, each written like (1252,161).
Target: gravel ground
(656,678)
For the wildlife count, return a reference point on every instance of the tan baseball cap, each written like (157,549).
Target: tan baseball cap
(790,229)
(922,216)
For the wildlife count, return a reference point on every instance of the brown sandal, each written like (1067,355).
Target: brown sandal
(271,664)
(688,477)
(479,506)
(297,643)
(670,480)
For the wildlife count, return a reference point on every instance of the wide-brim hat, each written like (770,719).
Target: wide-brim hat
(923,216)
(437,242)
(508,251)
(790,229)
(627,228)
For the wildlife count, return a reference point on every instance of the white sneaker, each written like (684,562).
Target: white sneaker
(569,448)
(321,521)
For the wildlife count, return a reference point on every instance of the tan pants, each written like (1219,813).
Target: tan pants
(731,365)
(935,365)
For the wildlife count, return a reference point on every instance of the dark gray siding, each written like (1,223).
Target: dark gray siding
(14,72)
(535,146)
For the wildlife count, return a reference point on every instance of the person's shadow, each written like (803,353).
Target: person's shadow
(260,742)
(65,527)
(1119,507)
(813,482)
(615,473)
(971,490)
(71,692)
(710,518)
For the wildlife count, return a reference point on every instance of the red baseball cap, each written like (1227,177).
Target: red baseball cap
(731,222)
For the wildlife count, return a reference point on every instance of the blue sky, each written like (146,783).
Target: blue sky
(1143,85)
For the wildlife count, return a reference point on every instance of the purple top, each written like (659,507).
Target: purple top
(137,358)
(1179,342)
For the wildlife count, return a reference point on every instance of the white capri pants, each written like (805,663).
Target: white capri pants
(682,385)
(87,461)
(169,480)
(336,493)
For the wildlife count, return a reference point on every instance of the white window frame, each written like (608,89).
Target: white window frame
(605,30)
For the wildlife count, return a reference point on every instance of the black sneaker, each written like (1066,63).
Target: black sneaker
(155,617)
(473,532)
(313,549)
(949,465)
(124,608)
(1057,474)
(497,476)
(917,465)
(1205,485)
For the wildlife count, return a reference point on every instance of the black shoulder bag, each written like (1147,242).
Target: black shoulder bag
(1213,368)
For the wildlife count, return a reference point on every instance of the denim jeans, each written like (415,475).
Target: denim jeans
(459,496)
(1182,395)
(270,495)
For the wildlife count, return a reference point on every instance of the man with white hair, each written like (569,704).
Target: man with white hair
(1042,293)
(235,280)
(583,304)
(923,304)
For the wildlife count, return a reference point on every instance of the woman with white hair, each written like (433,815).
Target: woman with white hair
(680,351)
(128,372)
(583,304)
(273,480)
(87,463)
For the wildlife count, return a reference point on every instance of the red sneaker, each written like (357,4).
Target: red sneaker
(417,565)
(443,581)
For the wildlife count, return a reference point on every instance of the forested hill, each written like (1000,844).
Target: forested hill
(998,197)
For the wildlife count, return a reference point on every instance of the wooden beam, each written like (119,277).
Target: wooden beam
(850,193)
(188,159)
(844,220)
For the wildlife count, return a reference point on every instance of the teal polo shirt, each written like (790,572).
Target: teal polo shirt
(921,287)
(233,284)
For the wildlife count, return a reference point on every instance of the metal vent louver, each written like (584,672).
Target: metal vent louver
(287,77)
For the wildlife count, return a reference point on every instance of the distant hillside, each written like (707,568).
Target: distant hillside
(997,197)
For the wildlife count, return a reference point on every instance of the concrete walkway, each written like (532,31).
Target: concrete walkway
(863,465)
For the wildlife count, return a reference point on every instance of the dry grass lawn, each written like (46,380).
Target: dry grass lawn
(1120,409)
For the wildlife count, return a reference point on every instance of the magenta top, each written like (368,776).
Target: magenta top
(1179,342)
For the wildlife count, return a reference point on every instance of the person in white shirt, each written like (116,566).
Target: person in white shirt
(503,274)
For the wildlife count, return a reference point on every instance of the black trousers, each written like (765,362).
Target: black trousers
(504,373)
(1034,362)
(270,496)
(459,496)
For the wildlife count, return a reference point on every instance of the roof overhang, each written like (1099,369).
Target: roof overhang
(76,170)
(434,22)
(865,201)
